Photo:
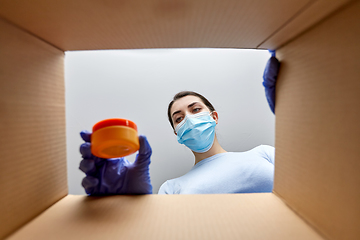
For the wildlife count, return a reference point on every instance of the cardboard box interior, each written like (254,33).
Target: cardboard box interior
(317,135)
(223,216)
(317,132)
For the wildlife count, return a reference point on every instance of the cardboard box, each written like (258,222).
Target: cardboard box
(316,193)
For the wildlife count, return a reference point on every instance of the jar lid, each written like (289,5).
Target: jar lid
(114,122)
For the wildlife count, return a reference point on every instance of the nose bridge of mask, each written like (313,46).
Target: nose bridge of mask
(187,117)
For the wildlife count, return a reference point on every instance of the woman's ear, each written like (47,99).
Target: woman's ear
(215,116)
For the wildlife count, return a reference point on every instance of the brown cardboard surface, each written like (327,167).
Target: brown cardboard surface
(317,130)
(317,125)
(32,127)
(312,13)
(128,24)
(230,216)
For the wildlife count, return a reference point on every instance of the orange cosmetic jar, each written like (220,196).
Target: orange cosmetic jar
(112,138)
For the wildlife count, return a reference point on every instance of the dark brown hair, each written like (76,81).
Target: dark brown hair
(187,93)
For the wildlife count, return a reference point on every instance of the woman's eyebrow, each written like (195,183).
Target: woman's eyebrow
(192,104)
(189,106)
(176,113)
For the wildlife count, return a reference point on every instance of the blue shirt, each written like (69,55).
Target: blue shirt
(231,172)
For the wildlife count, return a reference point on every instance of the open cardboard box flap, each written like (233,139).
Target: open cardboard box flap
(316,193)
(223,216)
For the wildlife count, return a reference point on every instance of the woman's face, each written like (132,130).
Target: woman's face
(187,105)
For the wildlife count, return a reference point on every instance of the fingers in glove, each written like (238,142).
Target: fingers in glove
(90,184)
(272,52)
(85,150)
(145,151)
(88,166)
(145,148)
(115,167)
(85,135)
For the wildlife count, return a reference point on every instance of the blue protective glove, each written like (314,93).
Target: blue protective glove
(117,175)
(270,76)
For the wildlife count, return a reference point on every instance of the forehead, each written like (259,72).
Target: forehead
(183,102)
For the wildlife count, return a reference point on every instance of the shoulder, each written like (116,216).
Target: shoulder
(264,148)
(171,186)
(265,151)
(164,188)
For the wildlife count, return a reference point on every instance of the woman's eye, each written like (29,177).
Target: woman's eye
(177,120)
(196,109)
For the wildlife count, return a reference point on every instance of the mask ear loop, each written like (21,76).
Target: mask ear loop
(212,113)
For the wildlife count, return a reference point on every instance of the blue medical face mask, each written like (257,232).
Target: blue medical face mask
(197,132)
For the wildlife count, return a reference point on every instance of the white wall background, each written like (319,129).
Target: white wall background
(139,84)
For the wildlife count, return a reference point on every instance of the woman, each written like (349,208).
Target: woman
(193,119)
